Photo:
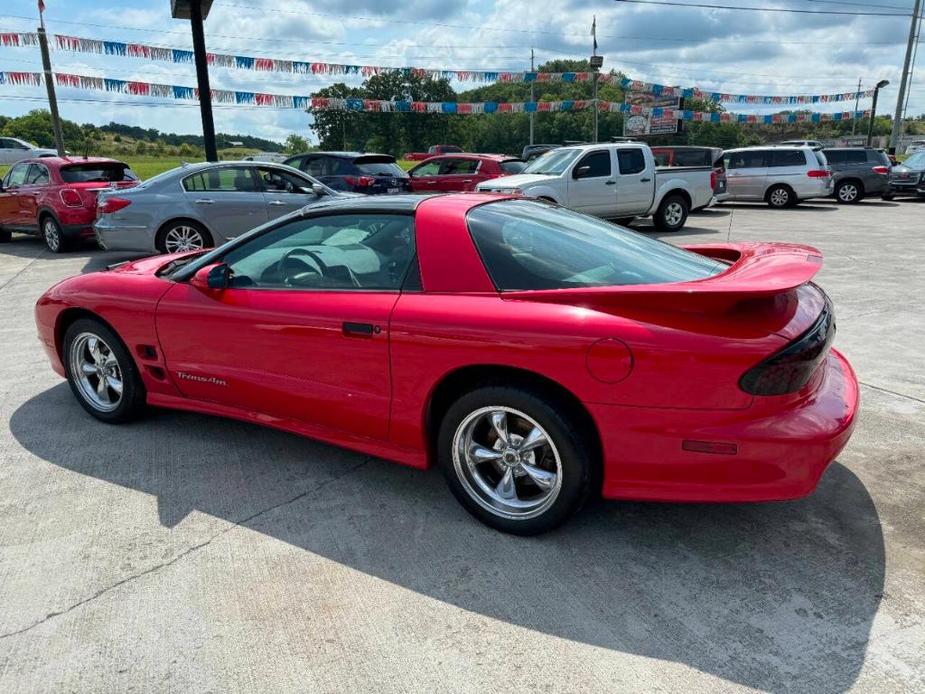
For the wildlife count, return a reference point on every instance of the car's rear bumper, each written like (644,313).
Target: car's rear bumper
(780,453)
(77,231)
(124,238)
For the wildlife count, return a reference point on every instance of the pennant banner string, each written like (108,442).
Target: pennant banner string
(176,55)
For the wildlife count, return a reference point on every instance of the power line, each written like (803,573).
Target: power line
(789,10)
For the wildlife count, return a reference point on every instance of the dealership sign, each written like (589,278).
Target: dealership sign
(648,123)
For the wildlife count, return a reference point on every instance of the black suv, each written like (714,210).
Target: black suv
(858,171)
(370,174)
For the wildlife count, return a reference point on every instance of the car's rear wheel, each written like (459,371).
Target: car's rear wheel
(849,192)
(101,372)
(5,235)
(671,214)
(514,459)
(52,235)
(780,197)
(181,236)
(887,197)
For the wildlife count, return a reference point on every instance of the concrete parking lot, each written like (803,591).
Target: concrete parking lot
(185,553)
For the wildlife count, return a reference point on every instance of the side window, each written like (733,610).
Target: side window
(835,156)
(631,161)
(340,252)
(17,176)
(788,157)
(335,166)
(37,176)
(749,159)
(856,156)
(226,180)
(431,168)
(278,181)
(313,166)
(459,167)
(598,164)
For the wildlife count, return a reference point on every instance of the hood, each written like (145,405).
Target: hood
(515,181)
(152,264)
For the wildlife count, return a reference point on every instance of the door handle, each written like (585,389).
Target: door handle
(467,180)
(644,180)
(204,201)
(431,183)
(360,329)
(276,203)
(610,183)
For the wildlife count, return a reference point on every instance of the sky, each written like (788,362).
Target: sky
(738,52)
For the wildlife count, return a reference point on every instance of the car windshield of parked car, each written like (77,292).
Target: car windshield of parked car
(97,172)
(553,162)
(528,245)
(916,161)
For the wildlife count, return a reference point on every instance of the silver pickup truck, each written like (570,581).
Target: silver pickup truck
(613,180)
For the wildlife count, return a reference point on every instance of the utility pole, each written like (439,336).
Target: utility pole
(857,103)
(532,97)
(596,62)
(196,11)
(50,84)
(904,82)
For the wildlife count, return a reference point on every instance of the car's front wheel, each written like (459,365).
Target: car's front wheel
(101,373)
(515,459)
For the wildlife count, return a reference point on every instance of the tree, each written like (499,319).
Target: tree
(295,144)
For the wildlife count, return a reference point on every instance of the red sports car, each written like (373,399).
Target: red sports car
(535,354)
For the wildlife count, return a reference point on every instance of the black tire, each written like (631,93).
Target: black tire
(163,241)
(5,235)
(671,214)
(849,192)
(624,221)
(887,196)
(131,402)
(51,234)
(575,470)
(780,196)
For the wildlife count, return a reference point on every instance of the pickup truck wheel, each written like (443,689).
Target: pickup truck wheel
(624,221)
(5,235)
(671,214)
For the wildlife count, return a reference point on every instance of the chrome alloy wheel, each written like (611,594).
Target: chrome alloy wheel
(848,192)
(183,238)
(96,372)
(674,213)
(507,462)
(51,234)
(780,197)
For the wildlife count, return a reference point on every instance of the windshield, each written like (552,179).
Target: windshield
(553,162)
(916,161)
(527,244)
(97,172)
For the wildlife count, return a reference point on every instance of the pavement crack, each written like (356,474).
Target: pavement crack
(21,270)
(893,392)
(189,550)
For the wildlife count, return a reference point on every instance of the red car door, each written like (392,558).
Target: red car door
(30,194)
(425,177)
(301,332)
(458,174)
(9,197)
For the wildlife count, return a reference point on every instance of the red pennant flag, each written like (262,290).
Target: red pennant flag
(41,6)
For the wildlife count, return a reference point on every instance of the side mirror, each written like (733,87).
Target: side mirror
(582,172)
(319,189)
(212,277)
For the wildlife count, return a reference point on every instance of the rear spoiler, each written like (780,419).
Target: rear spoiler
(756,270)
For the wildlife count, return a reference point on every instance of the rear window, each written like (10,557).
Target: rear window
(378,166)
(103,173)
(528,245)
(513,166)
(820,158)
(787,157)
(702,157)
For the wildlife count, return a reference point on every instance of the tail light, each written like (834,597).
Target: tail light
(790,369)
(71,197)
(360,181)
(110,205)
(713,179)
(882,170)
(818,173)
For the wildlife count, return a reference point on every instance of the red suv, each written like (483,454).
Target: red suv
(461,172)
(55,197)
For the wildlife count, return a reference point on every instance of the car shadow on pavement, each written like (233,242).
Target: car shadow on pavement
(815,206)
(771,596)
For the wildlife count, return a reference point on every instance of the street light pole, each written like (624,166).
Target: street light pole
(857,102)
(532,97)
(196,11)
(873,110)
(904,82)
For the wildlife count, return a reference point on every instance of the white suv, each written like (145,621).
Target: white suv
(781,176)
(13,149)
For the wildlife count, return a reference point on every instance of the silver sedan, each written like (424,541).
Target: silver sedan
(201,205)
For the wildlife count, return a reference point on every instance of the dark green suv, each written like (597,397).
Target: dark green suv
(858,172)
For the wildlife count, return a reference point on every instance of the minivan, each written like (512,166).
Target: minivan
(781,176)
